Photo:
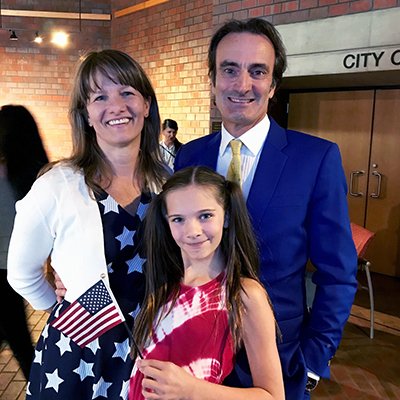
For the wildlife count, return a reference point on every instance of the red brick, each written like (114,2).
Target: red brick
(308,4)
(256,12)
(249,3)
(242,14)
(339,9)
(378,4)
(322,3)
(290,6)
(219,9)
(361,5)
(273,9)
(234,6)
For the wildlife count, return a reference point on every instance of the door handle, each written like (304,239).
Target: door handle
(353,191)
(376,195)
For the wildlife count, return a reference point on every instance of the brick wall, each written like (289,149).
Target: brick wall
(39,76)
(289,11)
(170,41)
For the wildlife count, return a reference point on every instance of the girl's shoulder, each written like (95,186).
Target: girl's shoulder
(253,293)
(252,285)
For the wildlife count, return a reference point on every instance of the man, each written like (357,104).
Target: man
(296,194)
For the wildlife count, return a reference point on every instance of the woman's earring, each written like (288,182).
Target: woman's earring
(226,221)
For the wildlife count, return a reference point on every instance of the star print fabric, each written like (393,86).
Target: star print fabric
(101,370)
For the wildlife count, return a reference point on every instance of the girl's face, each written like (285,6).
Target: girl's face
(116,113)
(196,220)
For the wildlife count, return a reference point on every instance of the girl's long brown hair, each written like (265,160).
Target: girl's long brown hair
(164,268)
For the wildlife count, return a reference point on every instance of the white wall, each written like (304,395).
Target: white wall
(361,42)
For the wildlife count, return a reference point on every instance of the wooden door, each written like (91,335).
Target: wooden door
(346,119)
(366,126)
(383,204)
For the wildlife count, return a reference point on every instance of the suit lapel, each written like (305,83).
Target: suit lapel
(269,169)
(210,158)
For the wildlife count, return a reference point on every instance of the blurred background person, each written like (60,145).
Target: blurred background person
(22,155)
(169,144)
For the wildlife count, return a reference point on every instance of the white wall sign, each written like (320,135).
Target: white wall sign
(361,42)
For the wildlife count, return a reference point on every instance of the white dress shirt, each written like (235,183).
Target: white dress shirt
(253,142)
(168,154)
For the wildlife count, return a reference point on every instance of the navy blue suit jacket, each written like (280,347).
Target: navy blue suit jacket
(298,206)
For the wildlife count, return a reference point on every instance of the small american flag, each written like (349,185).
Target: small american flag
(91,315)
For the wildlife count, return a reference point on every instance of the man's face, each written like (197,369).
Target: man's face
(243,83)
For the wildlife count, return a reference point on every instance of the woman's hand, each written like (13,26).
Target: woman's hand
(60,288)
(165,381)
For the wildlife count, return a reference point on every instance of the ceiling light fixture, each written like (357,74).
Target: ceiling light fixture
(13,35)
(38,39)
(60,39)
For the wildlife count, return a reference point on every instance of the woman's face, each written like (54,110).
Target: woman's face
(169,135)
(116,112)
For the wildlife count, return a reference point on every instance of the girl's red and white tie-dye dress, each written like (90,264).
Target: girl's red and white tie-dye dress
(194,335)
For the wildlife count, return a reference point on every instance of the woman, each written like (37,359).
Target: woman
(86,212)
(169,144)
(22,155)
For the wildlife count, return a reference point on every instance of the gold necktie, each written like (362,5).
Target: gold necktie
(234,174)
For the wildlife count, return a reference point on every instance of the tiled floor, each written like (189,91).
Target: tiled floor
(363,369)
(12,381)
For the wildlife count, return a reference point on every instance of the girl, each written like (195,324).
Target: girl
(203,297)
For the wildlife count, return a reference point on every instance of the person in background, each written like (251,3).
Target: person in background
(169,144)
(86,213)
(22,155)
(203,299)
(296,196)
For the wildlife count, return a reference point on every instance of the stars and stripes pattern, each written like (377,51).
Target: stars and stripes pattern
(61,369)
(91,315)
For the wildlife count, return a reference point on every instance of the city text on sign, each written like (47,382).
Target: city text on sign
(370,59)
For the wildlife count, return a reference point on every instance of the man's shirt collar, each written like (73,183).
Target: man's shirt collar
(253,139)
